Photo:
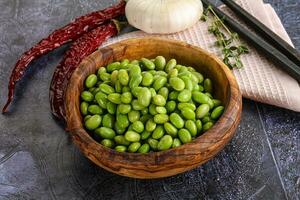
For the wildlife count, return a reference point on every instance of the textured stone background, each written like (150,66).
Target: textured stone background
(38,160)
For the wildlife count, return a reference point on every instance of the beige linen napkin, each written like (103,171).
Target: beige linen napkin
(260,79)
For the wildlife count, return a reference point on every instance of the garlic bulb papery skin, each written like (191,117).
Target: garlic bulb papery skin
(163,16)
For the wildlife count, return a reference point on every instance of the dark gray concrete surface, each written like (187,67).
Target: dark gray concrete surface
(38,160)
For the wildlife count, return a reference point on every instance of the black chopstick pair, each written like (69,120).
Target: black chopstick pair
(267,41)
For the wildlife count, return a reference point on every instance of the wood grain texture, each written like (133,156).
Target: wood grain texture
(173,161)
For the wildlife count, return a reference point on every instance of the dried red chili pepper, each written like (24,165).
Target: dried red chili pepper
(59,37)
(81,48)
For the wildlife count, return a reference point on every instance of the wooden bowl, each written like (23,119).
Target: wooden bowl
(173,161)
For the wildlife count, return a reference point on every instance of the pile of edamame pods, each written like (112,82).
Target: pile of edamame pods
(148,105)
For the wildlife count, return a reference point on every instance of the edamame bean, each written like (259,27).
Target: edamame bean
(84,108)
(153,92)
(114,77)
(177,83)
(124,108)
(188,83)
(159,100)
(202,111)
(208,94)
(145,118)
(170,129)
(118,86)
(176,143)
(153,143)
(126,97)
(132,136)
(124,64)
(135,81)
(170,65)
(93,122)
(114,98)
(136,105)
(134,70)
(147,79)
(133,116)
(123,77)
(161,110)
(148,63)
(125,89)
(105,76)
(134,62)
(190,125)
(135,91)
(122,120)
(184,136)
(184,96)
(199,125)
(108,143)
(113,66)
(170,106)
(91,81)
(144,97)
(199,76)
(144,111)
(111,107)
(188,113)
(173,95)
(160,63)
(87,117)
(159,83)
(150,125)
(207,126)
(106,88)
(133,147)
(105,133)
(101,99)
(87,96)
(94,109)
(186,105)
(201,98)
(217,102)
(208,85)
(176,120)
(161,118)
(108,120)
(145,148)
(173,73)
(217,112)
(206,119)
(164,91)
(165,143)
(120,148)
(158,132)
(145,135)
(138,126)
(152,109)
(120,139)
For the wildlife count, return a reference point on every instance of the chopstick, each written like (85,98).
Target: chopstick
(264,31)
(283,61)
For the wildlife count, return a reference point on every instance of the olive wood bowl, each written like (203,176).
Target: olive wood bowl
(173,161)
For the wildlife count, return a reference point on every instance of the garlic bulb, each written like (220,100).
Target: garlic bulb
(163,16)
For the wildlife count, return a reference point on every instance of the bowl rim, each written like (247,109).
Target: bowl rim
(228,121)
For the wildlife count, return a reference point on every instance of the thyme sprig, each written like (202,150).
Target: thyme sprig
(229,41)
